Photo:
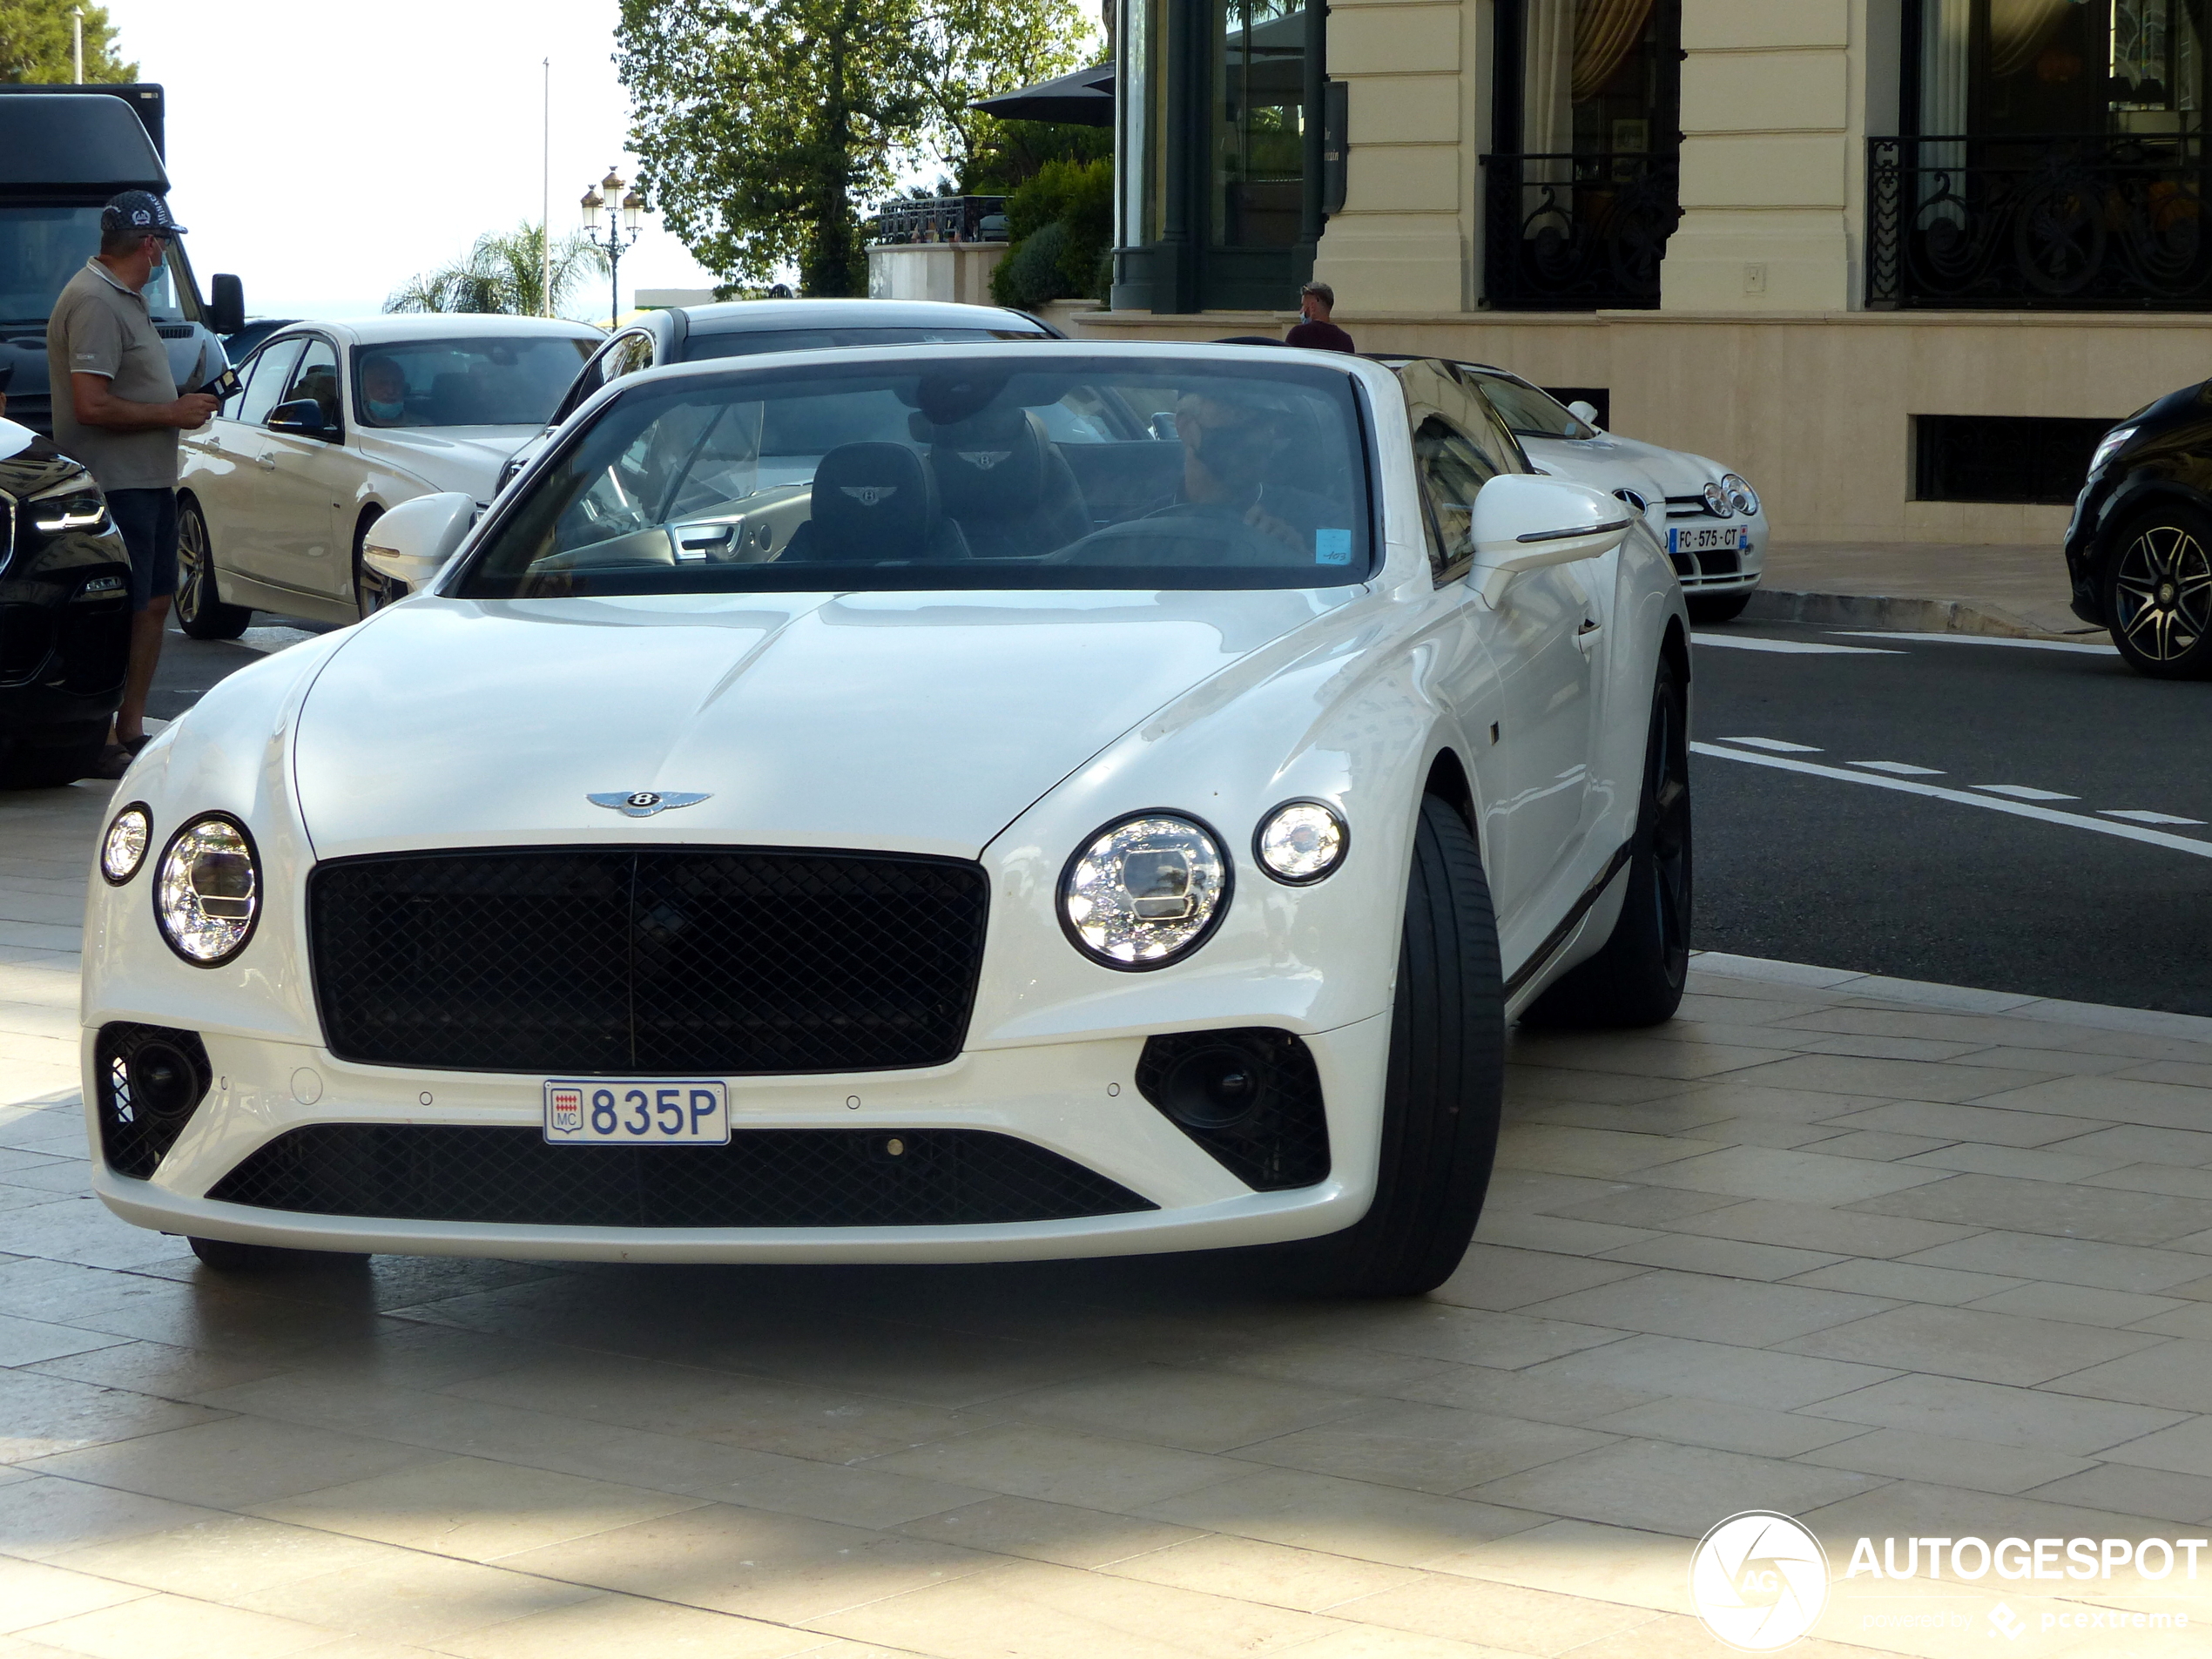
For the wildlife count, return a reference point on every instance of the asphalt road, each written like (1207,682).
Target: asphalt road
(1797,863)
(1801,865)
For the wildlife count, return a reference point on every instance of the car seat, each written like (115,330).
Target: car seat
(1003,481)
(874,503)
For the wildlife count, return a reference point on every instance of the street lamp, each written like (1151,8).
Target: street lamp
(621,232)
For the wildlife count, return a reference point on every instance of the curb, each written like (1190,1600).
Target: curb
(1957,999)
(1897,613)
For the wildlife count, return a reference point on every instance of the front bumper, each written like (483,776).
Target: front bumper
(1076,1099)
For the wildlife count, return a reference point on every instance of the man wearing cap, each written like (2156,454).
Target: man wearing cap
(121,418)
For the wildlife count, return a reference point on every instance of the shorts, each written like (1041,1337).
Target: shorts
(148,520)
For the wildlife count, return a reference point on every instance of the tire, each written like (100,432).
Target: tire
(373,589)
(2156,578)
(226,1256)
(53,764)
(1444,1088)
(1637,978)
(200,611)
(1708,608)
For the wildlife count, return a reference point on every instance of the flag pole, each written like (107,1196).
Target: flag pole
(545,203)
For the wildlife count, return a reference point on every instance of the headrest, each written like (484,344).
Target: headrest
(991,467)
(872,500)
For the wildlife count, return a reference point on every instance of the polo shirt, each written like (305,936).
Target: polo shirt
(99,327)
(1319,336)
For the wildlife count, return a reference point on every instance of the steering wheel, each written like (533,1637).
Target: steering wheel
(1158,533)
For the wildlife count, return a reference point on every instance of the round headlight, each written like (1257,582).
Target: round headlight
(1717,500)
(209,893)
(1741,496)
(1301,841)
(1142,893)
(123,849)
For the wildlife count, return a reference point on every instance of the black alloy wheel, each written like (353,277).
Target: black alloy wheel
(373,589)
(1444,1090)
(2158,594)
(200,611)
(1637,978)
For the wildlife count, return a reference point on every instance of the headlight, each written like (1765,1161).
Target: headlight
(1740,494)
(2113,442)
(123,849)
(1717,500)
(1145,891)
(210,891)
(74,506)
(1301,841)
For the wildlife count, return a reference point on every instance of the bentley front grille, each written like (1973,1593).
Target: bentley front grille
(716,961)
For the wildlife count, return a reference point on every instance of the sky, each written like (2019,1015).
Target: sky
(326,152)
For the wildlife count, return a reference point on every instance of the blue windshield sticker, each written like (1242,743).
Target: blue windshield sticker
(1333,547)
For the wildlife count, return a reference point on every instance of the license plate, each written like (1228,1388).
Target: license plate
(618,1111)
(1708,540)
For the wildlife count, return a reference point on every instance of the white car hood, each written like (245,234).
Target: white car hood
(1609,459)
(916,722)
(447,457)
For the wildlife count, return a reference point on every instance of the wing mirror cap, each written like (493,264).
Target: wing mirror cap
(417,539)
(302,417)
(226,305)
(1585,411)
(1524,522)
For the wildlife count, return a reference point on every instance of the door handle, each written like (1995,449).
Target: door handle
(1586,636)
(267,460)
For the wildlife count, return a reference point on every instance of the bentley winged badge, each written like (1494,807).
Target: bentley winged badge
(643,803)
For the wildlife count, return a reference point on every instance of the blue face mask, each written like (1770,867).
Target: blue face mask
(386,411)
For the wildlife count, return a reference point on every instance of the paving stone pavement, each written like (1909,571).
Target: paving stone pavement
(1901,1260)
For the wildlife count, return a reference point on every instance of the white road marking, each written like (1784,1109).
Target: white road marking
(2084,646)
(2133,817)
(1960,798)
(1775,743)
(1796,647)
(2021,792)
(1898,769)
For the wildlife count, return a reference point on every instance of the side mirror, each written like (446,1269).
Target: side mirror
(414,542)
(1585,412)
(225,304)
(302,417)
(1524,522)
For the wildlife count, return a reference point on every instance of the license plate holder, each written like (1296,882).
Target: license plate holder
(1707,538)
(637,1111)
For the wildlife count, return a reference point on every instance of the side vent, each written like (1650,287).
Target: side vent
(1252,1097)
(152,1080)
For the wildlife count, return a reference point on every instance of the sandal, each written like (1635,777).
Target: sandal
(135,743)
(114,761)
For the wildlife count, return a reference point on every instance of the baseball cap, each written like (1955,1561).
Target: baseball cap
(138,210)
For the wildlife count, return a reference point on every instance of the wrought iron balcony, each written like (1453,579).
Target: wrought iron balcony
(2082,223)
(1580,232)
(941,219)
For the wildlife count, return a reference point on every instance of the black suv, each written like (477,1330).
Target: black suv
(2140,548)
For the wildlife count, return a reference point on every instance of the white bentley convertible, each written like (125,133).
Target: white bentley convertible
(932,804)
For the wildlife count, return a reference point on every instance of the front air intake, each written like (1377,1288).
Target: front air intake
(1252,1097)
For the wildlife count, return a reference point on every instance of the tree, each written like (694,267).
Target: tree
(981,48)
(35,43)
(761,124)
(503,274)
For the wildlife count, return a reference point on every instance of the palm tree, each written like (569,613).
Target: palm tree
(503,274)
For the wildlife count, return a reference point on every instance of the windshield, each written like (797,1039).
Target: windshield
(1530,413)
(41,247)
(962,472)
(748,342)
(506,379)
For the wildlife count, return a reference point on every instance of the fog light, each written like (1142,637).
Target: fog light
(1211,1088)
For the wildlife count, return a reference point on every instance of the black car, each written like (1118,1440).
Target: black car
(2140,548)
(64,614)
(744,327)
(238,347)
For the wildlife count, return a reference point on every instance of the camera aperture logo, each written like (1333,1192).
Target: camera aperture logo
(1759,1581)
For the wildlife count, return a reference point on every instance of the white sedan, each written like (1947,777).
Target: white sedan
(336,423)
(919,805)
(1716,524)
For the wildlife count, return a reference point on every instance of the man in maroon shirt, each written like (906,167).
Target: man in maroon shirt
(1315,301)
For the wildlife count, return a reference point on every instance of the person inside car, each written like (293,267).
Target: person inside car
(384,390)
(1229,453)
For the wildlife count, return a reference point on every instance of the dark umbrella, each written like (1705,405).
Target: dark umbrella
(1084,98)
